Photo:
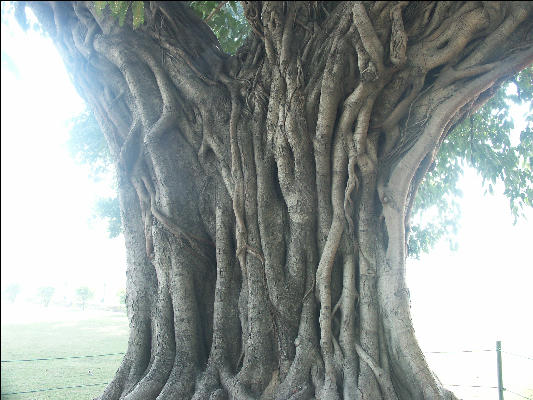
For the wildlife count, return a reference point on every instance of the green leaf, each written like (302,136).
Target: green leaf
(114,6)
(119,9)
(138,13)
(99,7)
(123,9)
(484,142)
(228,24)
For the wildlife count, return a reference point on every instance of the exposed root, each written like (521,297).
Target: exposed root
(280,198)
(383,377)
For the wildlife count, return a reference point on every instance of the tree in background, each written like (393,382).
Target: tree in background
(123,299)
(87,145)
(122,296)
(266,194)
(83,293)
(45,294)
(12,291)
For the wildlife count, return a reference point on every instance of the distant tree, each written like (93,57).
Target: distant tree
(45,293)
(12,292)
(122,296)
(83,293)
(87,146)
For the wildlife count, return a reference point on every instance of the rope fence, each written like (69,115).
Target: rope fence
(57,388)
(458,351)
(501,389)
(518,394)
(63,358)
(498,349)
(518,355)
(491,387)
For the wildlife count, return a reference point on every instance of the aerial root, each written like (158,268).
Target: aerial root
(174,228)
(126,148)
(180,383)
(256,253)
(368,35)
(382,376)
(232,385)
(398,42)
(351,185)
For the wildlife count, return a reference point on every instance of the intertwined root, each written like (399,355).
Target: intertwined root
(264,196)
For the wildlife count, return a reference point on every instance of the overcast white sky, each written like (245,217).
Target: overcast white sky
(47,200)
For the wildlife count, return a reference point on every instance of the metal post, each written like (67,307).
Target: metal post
(499,365)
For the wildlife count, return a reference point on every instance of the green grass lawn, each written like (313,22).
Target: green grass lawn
(98,334)
(78,333)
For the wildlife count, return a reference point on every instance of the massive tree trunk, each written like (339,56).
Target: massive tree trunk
(265,196)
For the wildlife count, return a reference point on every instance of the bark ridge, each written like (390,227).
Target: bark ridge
(265,196)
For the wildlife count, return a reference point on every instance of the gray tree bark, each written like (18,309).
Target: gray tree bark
(265,196)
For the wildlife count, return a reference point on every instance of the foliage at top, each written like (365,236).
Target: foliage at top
(226,19)
(119,9)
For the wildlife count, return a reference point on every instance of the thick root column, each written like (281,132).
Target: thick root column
(264,195)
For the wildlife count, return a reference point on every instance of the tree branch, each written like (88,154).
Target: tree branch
(214,11)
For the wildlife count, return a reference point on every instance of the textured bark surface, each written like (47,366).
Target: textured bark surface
(266,196)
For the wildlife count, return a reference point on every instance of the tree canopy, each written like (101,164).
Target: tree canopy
(45,294)
(83,293)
